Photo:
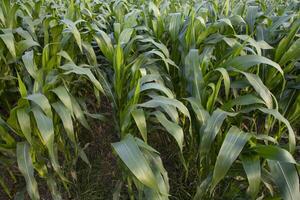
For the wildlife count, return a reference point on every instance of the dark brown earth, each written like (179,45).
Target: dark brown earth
(98,181)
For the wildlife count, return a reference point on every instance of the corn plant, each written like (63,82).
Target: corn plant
(217,81)
(39,127)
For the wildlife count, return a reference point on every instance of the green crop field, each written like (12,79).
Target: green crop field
(149,99)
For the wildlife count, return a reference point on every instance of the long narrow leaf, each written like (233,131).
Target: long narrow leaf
(231,148)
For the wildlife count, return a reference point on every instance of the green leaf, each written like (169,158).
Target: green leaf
(227,22)
(118,69)
(72,68)
(293,53)
(251,166)
(26,168)
(53,189)
(286,178)
(133,158)
(64,96)
(24,122)
(247,99)
(260,88)
(193,73)
(28,61)
(174,129)
(9,41)
(244,62)
(174,25)
(286,41)
(42,102)
(201,113)
(5,186)
(252,12)
(278,116)
(66,118)
(231,148)
(203,188)
(171,111)
(90,53)
(161,100)
(7,126)
(161,47)
(105,44)
(2,18)
(211,128)
(22,87)
(226,80)
(72,27)
(24,45)
(144,145)
(45,126)
(84,157)
(125,36)
(157,86)
(257,44)
(140,120)
(79,113)
(65,55)
(274,153)
(107,87)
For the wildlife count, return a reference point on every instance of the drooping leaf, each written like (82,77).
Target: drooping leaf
(247,99)
(244,62)
(105,44)
(251,166)
(64,96)
(72,68)
(125,36)
(274,153)
(45,126)
(278,116)
(174,129)
(201,113)
(79,113)
(159,87)
(286,178)
(9,41)
(26,168)
(28,60)
(231,148)
(211,128)
(133,158)
(90,53)
(140,120)
(260,88)
(24,45)
(226,80)
(66,118)
(24,122)
(42,102)
(72,27)
(161,100)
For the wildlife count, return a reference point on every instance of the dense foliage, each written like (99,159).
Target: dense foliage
(217,80)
